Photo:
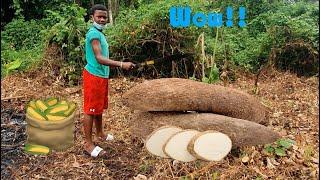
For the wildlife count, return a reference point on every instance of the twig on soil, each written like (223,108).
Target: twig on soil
(9,98)
(170,169)
(260,173)
(40,164)
(11,145)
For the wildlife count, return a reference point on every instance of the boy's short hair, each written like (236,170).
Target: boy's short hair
(97,7)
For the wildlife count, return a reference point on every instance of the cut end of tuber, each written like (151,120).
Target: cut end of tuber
(177,146)
(210,146)
(158,138)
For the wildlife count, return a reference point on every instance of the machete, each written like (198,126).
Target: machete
(148,62)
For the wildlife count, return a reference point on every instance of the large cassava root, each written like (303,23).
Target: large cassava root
(175,94)
(241,132)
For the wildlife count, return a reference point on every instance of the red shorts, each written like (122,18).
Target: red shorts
(95,93)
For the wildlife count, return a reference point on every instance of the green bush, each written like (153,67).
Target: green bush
(21,34)
(69,35)
(21,45)
(287,30)
(288,25)
(269,26)
(18,60)
(148,29)
(279,26)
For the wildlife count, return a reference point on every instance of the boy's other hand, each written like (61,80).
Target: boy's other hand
(128,65)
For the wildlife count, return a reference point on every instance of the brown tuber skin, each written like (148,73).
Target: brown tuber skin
(241,132)
(175,94)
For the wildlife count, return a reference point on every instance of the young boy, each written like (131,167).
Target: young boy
(95,79)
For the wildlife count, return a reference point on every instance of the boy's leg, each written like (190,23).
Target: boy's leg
(98,119)
(99,126)
(92,94)
(87,126)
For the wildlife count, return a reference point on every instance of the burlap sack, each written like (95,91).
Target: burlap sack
(57,135)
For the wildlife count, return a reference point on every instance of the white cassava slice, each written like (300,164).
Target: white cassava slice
(210,146)
(158,138)
(177,145)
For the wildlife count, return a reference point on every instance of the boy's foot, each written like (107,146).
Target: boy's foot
(94,151)
(102,137)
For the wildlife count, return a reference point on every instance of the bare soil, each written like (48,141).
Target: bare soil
(293,108)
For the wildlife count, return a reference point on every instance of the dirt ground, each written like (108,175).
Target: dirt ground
(294,113)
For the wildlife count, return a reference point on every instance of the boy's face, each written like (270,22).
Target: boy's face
(100,17)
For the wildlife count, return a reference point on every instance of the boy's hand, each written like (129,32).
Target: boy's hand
(128,65)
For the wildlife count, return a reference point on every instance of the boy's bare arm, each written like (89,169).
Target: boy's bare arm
(106,61)
(102,60)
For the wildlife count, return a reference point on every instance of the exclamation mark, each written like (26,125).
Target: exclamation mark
(229,16)
(242,16)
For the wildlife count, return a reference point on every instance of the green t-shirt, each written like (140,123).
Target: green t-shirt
(93,66)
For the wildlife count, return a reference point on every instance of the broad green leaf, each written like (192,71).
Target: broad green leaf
(280,152)
(14,65)
(269,148)
(286,143)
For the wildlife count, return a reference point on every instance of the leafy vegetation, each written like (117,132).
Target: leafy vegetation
(271,28)
(283,33)
(280,147)
(69,34)
(21,43)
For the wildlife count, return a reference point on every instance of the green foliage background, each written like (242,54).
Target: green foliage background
(287,31)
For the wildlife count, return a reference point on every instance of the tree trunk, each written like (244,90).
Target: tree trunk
(116,8)
(110,11)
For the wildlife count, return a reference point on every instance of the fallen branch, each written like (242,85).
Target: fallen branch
(9,98)
(11,145)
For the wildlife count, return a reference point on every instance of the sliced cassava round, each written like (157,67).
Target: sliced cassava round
(177,94)
(241,132)
(158,138)
(176,146)
(210,146)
